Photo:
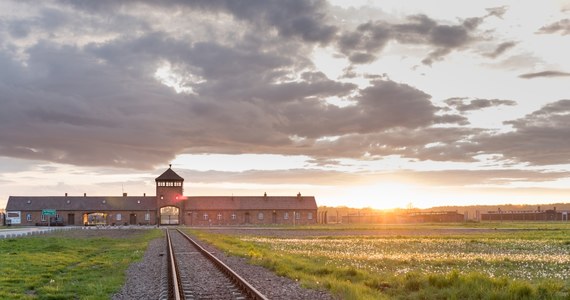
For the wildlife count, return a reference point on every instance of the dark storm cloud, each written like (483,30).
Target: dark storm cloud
(306,20)
(81,112)
(384,105)
(562,27)
(539,138)
(463,104)
(89,96)
(544,74)
(366,42)
(362,45)
(501,49)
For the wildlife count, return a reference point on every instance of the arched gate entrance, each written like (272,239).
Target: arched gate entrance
(169,215)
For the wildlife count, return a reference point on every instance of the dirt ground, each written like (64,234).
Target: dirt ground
(300,233)
(98,232)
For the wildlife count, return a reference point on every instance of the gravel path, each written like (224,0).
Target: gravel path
(143,278)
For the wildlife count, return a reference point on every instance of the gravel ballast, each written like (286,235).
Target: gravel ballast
(144,277)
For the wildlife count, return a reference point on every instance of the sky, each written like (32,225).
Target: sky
(381,104)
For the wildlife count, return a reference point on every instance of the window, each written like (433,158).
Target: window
(205,216)
(219,216)
(234,216)
(260,216)
(118,217)
(310,216)
(43,218)
(147,217)
(29,217)
(298,215)
(286,216)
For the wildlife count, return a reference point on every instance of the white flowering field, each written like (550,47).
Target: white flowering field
(515,258)
(414,262)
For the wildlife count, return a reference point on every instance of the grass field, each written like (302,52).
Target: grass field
(531,261)
(68,267)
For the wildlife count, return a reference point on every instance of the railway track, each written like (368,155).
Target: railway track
(194,273)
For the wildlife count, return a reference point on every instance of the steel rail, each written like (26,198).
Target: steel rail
(174,283)
(243,285)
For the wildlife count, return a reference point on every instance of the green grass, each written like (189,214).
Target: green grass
(59,267)
(503,264)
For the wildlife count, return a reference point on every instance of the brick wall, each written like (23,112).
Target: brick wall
(249,217)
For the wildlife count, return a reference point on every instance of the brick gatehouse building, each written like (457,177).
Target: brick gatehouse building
(168,207)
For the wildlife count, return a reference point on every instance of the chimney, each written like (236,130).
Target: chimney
(299,196)
(84,194)
(65,194)
(265,196)
(144,194)
(124,194)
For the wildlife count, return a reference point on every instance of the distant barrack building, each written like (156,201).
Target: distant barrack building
(525,215)
(168,207)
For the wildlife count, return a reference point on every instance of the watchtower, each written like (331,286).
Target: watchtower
(169,196)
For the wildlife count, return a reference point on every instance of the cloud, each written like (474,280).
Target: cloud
(448,178)
(463,104)
(539,138)
(501,49)
(364,44)
(562,27)
(497,11)
(306,20)
(97,102)
(85,91)
(544,74)
(479,177)
(274,177)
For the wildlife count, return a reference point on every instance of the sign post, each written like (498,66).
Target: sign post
(49,213)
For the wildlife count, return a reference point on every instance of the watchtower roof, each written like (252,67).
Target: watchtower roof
(169,175)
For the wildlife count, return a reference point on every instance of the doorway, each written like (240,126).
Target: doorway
(94,219)
(169,215)
(133,219)
(70,219)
